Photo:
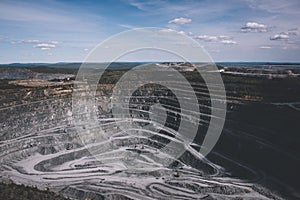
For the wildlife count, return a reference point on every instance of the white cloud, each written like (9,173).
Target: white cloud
(290,38)
(169,30)
(228,42)
(190,33)
(280,36)
(54,42)
(254,27)
(140,5)
(30,41)
(211,38)
(38,43)
(186,33)
(265,47)
(207,38)
(182,32)
(293,31)
(126,26)
(46,46)
(223,37)
(180,20)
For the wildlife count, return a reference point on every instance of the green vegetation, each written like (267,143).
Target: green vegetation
(50,70)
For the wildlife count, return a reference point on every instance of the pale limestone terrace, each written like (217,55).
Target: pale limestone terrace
(41,146)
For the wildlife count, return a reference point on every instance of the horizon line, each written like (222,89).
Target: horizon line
(78,62)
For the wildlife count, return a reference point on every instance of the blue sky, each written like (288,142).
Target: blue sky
(65,31)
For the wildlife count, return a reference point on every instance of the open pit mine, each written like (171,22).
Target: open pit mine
(43,146)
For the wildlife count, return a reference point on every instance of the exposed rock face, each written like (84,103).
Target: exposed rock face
(262,72)
(40,145)
(179,66)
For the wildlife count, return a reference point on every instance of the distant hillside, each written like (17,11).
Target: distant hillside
(114,65)
(44,73)
(52,65)
(52,70)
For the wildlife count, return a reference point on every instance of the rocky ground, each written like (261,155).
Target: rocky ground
(255,158)
(20,192)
